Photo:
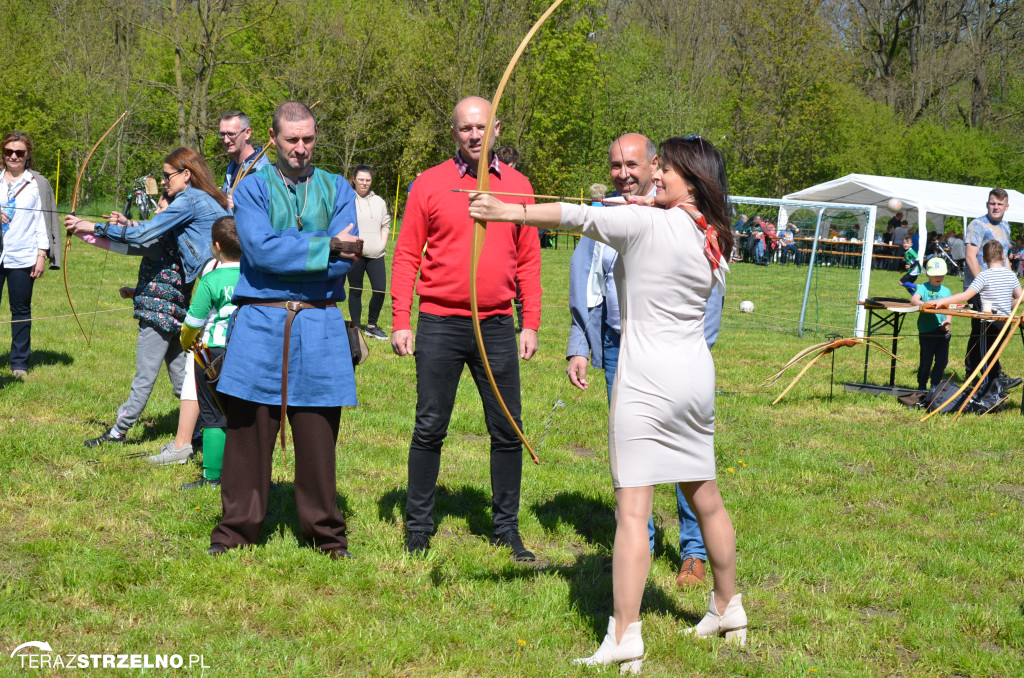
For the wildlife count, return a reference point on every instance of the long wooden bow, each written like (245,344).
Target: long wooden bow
(483,183)
(74,204)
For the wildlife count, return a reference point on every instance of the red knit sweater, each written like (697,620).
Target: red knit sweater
(437,218)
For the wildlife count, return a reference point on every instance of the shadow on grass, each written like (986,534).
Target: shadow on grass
(36,359)
(590,590)
(283,515)
(589,577)
(465,502)
(594,520)
(41,358)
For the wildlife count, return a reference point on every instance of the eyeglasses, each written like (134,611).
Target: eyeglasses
(691,136)
(230,135)
(167,177)
(15,153)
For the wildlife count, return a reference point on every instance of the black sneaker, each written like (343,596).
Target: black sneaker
(1008,382)
(417,543)
(104,439)
(202,482)
(511,539)
(375,332)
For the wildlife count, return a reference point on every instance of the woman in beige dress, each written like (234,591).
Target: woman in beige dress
(673,248)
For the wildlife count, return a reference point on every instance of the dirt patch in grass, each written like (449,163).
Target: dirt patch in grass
(581,451)
(1014,491)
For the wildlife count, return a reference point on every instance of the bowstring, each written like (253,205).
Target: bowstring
(615,124)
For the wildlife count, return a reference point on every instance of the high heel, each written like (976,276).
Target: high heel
(731,624)
(628,654)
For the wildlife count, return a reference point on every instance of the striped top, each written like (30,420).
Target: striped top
(996,286)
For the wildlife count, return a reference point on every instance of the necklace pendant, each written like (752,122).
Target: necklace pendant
(299,219)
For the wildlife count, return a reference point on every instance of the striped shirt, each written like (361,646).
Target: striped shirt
(996,286)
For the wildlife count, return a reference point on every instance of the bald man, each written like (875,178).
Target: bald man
(444,342)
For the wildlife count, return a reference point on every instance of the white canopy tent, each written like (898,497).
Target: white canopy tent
(923,197)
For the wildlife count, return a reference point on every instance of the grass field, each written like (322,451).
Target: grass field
(868,544)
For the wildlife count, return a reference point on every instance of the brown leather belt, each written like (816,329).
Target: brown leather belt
(293,307)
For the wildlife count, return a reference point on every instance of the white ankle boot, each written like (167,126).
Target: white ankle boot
(628,654)
(731,624)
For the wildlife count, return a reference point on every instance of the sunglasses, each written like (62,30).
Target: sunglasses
(12,153)
(167,177)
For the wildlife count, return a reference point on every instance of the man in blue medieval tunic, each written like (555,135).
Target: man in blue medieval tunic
(287,348)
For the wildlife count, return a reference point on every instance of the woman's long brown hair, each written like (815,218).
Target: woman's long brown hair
(703,167)
(185,158)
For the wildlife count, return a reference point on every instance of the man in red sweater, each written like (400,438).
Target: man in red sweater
(438,218)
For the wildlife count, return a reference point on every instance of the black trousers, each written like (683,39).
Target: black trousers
(245,481)
(934,347)
(444,346)
(376,272)
(974,353)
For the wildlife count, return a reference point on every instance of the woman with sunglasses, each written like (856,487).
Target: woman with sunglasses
(27,206)
(196,203)
(673,248)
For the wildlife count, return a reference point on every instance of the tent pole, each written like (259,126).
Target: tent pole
(810,271)
(865,271)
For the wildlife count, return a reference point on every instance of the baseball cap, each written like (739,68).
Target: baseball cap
(935,266)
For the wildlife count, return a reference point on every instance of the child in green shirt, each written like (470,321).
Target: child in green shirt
(209,314)
(933,330)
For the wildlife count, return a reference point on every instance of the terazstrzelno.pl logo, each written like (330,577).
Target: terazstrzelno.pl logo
(46,658)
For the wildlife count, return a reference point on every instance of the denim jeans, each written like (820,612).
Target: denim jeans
(690,542)
(444,345)
(19,283)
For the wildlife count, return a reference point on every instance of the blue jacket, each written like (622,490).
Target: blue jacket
(190,216)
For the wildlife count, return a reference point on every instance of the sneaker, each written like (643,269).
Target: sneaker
(202,482)
(375,332)
(417,543)
(692,572)
(19,374)
(169,454)
(1008,382)
(511,539)
(105,439)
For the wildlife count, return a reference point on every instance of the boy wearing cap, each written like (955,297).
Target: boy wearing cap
(933,330)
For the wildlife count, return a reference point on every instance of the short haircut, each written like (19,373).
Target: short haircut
(998,194)
(223,233)
(242,118)
(992,251)
(907,239)
(292,111)
(508,155)
(362,168)
(598,191)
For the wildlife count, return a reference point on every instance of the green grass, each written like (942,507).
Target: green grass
(868,544)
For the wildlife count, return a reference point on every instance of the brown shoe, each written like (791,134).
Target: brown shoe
(691,573)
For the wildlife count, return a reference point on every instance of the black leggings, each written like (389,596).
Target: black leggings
(375,270)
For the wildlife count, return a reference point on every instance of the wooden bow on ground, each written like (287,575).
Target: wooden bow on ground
(74,204)
(823,349)
(483,183)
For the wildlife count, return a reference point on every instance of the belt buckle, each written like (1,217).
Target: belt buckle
(293,305)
